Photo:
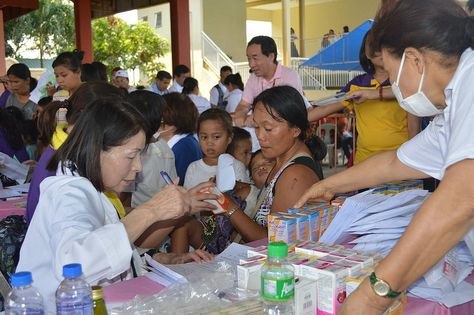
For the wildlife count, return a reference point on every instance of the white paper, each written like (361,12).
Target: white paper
(12,168)
(225,174)
(330,99)
(8,193)
(233,254)
(164,272)
(22,188)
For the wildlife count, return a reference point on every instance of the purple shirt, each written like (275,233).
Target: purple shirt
(21,155)
(39,174)
(4,98)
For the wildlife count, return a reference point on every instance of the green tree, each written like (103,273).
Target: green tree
(50,29)
(128,46)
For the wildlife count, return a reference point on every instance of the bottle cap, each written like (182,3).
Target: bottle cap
(21,278)
(72,270)
(97,292)
(277,250)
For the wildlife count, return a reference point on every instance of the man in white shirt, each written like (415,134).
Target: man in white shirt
(180,72)
(162,81)
(219,93)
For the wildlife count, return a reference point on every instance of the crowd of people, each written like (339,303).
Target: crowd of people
(96,147)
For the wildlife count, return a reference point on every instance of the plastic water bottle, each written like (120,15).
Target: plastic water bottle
(278,281)
(24,299)
(74,295)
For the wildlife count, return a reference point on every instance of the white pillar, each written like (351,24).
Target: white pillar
(286,11)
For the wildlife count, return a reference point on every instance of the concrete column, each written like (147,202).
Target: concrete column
(83,28)
(302,35)
(286,32)
(180,33)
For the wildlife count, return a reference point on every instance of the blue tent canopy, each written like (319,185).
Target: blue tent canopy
(343,54)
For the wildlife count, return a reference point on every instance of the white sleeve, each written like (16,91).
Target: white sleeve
(232,102)
(423,152)
(214,96)
(241,174)
(190,177)
(460,143)
(79,234)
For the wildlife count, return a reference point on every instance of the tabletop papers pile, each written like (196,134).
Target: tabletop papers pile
(375,222)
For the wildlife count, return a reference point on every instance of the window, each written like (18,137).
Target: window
(145,18)
(158,19)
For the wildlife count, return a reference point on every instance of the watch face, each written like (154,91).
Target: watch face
(381,288)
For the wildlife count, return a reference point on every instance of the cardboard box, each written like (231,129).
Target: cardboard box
(248,275)
(281,228)
(306,299)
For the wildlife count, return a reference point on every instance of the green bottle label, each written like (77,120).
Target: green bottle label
(278,289)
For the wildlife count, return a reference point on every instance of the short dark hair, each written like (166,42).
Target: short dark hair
(151,105)
(69,59)
(105,123)
(267,45)
(345,28)
(234,79)
(189,84)
(161,75)
(364,61)
(19,70)
(438,25)
(226,68)
(216,114)
(252,158)
(180,112)
(239,134)
(101,70)
(180,69)
(10,128)
(45,101)
(286,102)
(89,73)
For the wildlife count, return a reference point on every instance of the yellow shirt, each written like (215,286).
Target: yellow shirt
(58,139)
(381,125)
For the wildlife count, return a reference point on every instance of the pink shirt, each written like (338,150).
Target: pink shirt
(283,76)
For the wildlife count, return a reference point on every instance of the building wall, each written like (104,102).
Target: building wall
(224,23)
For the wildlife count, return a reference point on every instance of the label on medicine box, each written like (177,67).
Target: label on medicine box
(305,296)
(319,249)
(313,223)
(331,289)
(257,251)
(302,226)
(281,229)
(248,276)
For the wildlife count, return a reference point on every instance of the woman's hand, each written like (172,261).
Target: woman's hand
(364,302)
(318,191)
(172,202)
(198,202)
(360,96)
(174,258)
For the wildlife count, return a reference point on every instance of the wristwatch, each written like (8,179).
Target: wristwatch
(231,212)
(381,287)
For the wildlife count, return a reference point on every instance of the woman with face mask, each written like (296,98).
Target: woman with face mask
(427,48)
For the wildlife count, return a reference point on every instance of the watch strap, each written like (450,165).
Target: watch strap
(391,294)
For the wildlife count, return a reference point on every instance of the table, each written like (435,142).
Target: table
(125,291)
(13,207)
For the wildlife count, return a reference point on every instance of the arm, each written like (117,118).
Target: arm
(414,126)
(316,113)
(426,239)
(381,168)
(240,113)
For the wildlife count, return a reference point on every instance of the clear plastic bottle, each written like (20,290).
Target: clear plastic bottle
(278,281)
(23,299)
(74,295)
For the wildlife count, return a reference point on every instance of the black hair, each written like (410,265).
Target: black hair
(33,84)
(161,75)
(19,70)
(267,45)
(101,70)
(151,105)
(285,103)
(16,113)
(95,71)
(364,61)
(438,25)
(69,59)
(226,68)
(180,112)
(234,79)
(104,124)
(29,131)
(45,101)
(239,134)
(189,84)
(10,128)
(180,69)
(216,114)
(345,28)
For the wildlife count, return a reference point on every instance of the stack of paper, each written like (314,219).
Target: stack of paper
(375,222)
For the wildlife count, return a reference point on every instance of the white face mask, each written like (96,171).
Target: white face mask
(417,104)
(157,134)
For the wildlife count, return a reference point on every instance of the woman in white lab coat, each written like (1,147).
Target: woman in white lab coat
(74,221)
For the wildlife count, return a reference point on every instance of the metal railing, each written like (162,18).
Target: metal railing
(213,56)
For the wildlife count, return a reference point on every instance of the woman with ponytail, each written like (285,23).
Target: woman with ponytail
(56,122)
(427,48)
(67,70)
(235,86)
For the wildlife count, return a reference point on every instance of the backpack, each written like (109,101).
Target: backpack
(220,102)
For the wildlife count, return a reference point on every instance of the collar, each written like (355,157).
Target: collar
(175,139)
(58,138)
(177,84)
(466,59)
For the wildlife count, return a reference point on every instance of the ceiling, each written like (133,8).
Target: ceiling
(272,5)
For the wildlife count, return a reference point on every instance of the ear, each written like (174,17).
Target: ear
(295,132)
(229,140)
(415,57)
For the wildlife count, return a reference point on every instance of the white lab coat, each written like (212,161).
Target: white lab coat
(74,223)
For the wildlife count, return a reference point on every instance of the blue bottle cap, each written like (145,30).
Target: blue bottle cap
(72,270)
(21,278)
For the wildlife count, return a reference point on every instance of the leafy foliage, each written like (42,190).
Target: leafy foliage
(128,46)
